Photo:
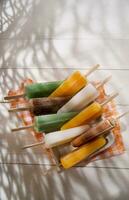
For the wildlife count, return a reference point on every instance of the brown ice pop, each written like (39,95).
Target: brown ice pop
(42,106)
(103,127)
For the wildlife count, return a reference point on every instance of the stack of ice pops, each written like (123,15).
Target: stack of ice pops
(68,112)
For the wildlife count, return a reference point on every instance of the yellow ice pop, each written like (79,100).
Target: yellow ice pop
(90,113)
(71,85)
(82,153)
(75,82)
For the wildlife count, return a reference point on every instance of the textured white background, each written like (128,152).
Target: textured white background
(46,40)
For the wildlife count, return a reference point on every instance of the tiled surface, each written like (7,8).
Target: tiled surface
(26,182)
(46,40)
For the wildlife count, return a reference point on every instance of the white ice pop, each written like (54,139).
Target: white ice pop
(62,137)
(86,96)
(57,138)
(81,99)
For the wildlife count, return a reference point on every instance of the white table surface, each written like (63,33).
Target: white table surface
(46,40)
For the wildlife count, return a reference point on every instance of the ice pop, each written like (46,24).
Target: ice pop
(84,97)
(72,84)
(101,128)
(91,112)
(82,153)
(48,123)
(42,106)
(36,90)
(57,138)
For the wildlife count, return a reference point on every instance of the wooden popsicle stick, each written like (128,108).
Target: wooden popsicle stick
(110,98)
(54,167)
(7,101)
(92,69)
(14,97)
(22,128)
(122,115)
(19,109)
(4,101)
(33,145)
(104,82)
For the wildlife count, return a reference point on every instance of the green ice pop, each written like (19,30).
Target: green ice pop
(37,90)
(70,86)
(50,123)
